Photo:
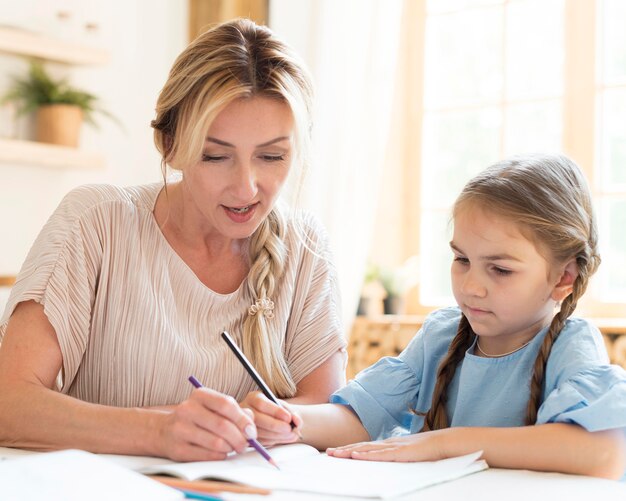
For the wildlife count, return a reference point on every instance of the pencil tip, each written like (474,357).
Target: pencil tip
(273,463)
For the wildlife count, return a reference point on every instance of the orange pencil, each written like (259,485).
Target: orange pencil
(209,485)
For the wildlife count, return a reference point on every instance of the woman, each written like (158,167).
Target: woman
(126,290)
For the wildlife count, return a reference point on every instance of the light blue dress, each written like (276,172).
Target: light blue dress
(579,386)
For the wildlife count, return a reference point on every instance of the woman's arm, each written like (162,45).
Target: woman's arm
(33,415)
(273,421)
(323,381)
(559,447)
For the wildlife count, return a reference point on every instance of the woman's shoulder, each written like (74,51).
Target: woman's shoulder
(89,196)
(306,235)
(306,224)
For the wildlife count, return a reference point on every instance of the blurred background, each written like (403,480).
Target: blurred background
(413,97)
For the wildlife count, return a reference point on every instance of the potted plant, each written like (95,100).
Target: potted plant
(397,282)
(60,108)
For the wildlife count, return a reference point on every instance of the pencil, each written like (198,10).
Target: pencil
(209,485)
(253,443)
(199,495)
(253,373)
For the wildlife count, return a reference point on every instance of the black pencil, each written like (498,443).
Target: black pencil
(252,371)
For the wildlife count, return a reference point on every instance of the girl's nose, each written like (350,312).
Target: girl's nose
(472,285)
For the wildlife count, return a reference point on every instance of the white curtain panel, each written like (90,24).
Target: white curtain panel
(351,48)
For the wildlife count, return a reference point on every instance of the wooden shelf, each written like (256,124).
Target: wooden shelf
(6,280)
(25,43)
(47,155)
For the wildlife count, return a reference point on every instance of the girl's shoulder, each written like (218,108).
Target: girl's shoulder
(578,347)
(444,319)
(440,327)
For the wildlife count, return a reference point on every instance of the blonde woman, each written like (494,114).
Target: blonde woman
(126,290)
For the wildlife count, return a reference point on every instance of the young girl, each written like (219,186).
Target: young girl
(508,371)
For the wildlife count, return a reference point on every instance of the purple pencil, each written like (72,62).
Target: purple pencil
(253,443)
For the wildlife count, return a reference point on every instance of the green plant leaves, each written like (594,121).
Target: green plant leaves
(38,89)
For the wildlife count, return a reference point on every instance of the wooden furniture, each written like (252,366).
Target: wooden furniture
(387,335)
(205,13)
(23,43)
(6,280)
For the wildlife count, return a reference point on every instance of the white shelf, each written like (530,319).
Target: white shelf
(25,43)
(47,155)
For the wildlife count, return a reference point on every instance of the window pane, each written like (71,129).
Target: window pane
(456,145)
(463,57)
(534,49)
(613,40)
(533,127)
(612,272)
(436,233)
(435,6)
(613,139)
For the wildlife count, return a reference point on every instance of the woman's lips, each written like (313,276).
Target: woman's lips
(241,214)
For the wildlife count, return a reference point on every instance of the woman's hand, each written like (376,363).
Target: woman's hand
(273,421)
(426,446)
(206,426)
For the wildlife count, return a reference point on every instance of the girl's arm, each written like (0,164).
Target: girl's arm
(33,415)
(558,447)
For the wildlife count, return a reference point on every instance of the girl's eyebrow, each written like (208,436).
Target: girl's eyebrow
(494,257)
(262,145)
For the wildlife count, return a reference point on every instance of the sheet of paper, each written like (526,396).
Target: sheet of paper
(73,475)
(304,469)
(369,479)
(234,468)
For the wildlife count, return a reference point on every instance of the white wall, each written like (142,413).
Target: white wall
(143,38)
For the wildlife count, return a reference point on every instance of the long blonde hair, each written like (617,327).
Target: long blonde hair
(233,60)
(548,197)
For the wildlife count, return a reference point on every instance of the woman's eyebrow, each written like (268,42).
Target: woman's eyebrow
(262,145)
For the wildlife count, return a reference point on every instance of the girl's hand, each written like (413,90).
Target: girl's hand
(206,426)
(426,446)
(273,421)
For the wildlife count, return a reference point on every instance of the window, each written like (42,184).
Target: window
(610,146)
(503,77)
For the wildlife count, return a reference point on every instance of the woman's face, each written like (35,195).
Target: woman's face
(245,161)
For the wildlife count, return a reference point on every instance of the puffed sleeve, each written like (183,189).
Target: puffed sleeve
(594,398)
(60,273)
(314,331)
(383,395)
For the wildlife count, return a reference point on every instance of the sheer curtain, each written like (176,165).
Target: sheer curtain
(351,48)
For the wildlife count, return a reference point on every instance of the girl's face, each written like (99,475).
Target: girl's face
(503,285)
(245,162)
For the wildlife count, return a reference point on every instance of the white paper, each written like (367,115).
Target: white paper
(73,475)
(304,469)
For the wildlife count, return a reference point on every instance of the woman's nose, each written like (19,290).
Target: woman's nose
(244,184)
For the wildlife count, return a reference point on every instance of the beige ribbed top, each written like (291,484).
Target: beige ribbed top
(133,320)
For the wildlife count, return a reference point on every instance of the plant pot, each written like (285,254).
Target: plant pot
(59,124)
(393,305)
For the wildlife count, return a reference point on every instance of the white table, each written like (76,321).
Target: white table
(491,485)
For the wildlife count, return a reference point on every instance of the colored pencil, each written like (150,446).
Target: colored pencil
(253,443)
(209,485)
(252,371)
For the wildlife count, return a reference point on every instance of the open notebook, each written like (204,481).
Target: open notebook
(304,469)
